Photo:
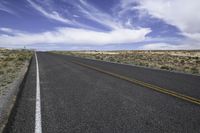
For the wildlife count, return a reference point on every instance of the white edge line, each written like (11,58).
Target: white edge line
(38,124)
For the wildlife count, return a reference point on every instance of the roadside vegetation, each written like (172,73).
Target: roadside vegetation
(182,61)
(11,62)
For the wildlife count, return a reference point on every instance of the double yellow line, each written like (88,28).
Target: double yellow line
(143,84)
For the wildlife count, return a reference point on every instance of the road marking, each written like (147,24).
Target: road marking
(38,124)
(146,85)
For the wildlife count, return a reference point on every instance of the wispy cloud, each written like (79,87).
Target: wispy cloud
(4,7)
(53,15)
(99,16)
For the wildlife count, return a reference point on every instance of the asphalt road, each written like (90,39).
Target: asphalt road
(76,99)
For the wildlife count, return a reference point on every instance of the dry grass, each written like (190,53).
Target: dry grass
(182,61)
(11,61)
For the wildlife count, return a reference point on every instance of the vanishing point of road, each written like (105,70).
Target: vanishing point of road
(65,94)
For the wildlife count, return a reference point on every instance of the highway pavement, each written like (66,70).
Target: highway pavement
(87,96)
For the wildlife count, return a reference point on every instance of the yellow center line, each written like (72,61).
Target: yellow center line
(147,85)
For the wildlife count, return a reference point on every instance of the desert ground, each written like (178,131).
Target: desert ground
(11,62)
(176,60)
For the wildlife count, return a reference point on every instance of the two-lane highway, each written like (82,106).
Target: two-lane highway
(75,98)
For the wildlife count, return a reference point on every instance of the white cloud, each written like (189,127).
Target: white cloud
(4,29)
(193,36)
(158,46)
(75,36)
(181,13)
(167,46)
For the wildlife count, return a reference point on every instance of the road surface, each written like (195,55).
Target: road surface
(75,98)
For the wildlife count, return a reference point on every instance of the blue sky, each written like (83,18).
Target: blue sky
(100,24)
